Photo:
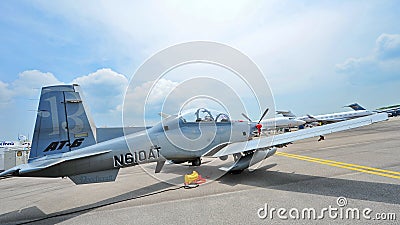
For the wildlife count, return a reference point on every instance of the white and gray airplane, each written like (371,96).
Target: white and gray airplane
(282,122)
(328,118)
(390,110)
(279,122)
(66,144)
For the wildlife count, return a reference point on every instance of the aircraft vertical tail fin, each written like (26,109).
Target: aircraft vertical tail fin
(285,113)
(63,122)
(356,107)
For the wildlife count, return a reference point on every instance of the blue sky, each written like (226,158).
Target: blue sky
(316,55)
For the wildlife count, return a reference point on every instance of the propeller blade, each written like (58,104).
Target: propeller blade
(245,116)
(265,113)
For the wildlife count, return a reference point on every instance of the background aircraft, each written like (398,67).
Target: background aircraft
(393,110)
(331,117)
(279,122)
(66,144)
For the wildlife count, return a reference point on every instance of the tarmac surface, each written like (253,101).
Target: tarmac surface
(353,170)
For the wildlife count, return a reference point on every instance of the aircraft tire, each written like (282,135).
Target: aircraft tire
(236,172)
(196,162)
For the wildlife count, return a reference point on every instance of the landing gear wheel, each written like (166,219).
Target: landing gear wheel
(236,172)
(196,162)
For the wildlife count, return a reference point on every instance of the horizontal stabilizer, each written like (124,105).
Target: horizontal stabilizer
(9,172)
(95,177)
(46,162)
(31,167)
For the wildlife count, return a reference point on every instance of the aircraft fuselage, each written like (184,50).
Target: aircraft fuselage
(155,144)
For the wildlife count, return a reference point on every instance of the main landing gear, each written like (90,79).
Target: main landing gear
(196,162)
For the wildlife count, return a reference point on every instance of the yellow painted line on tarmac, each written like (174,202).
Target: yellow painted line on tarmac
(345,164)
(359,168)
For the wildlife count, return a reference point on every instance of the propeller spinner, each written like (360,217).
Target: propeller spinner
(258,125)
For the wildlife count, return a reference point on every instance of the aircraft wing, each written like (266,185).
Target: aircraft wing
(277,140)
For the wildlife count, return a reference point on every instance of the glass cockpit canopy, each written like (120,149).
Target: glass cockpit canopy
(204,115)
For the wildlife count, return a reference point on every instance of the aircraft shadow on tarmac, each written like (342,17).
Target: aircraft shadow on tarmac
(34,214)
(353,189)
(293,182)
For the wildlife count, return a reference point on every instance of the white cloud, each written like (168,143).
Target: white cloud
(143,103)
(104,89)
(388,46)
(294,48)
(104,92)
(382,64)
(352,64)
(296,44)
(288,40)
(5,94)
(29,81)
(157,92)
(153,95)
(26,86)
(142,29)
